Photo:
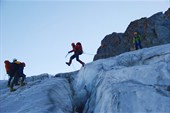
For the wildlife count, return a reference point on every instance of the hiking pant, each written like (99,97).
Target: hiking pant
(15,80)
(77,58)
(9,80)
(11,75)
(138,45)
(23,77)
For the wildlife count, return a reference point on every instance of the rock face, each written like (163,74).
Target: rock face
(154,30)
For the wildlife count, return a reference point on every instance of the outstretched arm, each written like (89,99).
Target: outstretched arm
(70,51)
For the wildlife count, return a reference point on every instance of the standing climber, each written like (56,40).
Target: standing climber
(137,41)
(77,49)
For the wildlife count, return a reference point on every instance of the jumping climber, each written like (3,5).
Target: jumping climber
(77,49)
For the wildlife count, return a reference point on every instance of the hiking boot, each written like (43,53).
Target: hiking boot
(12,89)
(83,64)
(68,63)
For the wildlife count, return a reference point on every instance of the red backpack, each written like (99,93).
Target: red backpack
(79,48)
(7,66)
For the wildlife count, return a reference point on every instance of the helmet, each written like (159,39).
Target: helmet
(6,61)
(14,59)
(72,44)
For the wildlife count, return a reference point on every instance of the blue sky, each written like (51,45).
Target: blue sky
(39,32)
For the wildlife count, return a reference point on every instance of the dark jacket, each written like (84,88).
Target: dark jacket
(13,68)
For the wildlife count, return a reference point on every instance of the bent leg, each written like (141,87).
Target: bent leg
(77,58)
(9,81)
(22,80)
(71,58)
(15,80)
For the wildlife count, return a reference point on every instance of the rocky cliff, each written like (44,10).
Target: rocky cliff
(154,30)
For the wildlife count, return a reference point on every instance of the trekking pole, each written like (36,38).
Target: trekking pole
(66,55)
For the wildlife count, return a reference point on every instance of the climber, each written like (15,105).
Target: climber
(8,71)
(14,69)
(21,73)
(137,41)
(17,68)
(77,49)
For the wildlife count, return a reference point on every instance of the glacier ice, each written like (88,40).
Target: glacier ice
(133,82)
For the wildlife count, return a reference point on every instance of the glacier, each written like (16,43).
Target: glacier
(41,94)
(133,82)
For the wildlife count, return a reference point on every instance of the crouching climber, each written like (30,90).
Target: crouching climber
(18,68)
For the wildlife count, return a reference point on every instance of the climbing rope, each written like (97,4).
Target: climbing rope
(88,53)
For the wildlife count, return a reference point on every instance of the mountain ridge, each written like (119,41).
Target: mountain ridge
(154,31)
